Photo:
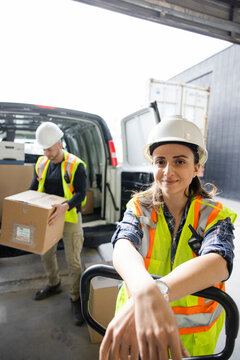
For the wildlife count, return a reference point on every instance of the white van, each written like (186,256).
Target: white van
(86,135)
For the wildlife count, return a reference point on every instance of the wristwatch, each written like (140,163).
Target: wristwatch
(163,288)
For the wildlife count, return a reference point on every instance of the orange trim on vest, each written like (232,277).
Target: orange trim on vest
(212,216)
(40,161)
(202,307)
(151,243)
(154,216)
(71,166)
(137,206)
(71,169)
(214,213)
(65,163)
(201,301)
(192,330)
(38,168)
(221,286)
(198,309)
(146,263)
(152,232)
(197,207)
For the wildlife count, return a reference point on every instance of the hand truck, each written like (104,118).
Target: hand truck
(232,314)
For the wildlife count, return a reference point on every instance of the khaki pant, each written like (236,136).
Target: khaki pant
(73,243)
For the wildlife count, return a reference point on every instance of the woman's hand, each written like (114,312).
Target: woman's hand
(157,330)
(120,339)
(156,333)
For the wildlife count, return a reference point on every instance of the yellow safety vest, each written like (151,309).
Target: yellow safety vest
(199,320)
(68,166)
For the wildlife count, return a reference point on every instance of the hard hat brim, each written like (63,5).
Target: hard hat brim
(203,154)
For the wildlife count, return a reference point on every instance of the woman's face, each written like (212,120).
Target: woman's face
(174,168)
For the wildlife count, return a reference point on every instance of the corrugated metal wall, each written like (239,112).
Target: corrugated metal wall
(222,73)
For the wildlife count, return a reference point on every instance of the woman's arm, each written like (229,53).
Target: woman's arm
(195,275)
(155,328)
(151,323)
(130,265)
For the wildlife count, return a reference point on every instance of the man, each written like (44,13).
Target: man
(61,173)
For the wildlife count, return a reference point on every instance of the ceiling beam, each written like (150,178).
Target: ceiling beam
(215,18)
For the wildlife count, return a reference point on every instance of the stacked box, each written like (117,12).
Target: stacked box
(102,302)
(14,179)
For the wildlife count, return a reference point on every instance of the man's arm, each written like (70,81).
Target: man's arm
(34,184)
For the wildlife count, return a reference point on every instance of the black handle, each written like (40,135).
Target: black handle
(232,314)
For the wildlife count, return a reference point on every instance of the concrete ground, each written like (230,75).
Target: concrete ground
(40,330)
(43,330)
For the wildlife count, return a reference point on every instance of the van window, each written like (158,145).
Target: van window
(85,141)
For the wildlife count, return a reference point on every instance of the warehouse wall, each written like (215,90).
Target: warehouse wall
(222,73)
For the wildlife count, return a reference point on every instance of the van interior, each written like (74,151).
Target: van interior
(85,135)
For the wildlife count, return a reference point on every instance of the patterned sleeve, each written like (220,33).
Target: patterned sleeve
(219,239)
(129,228)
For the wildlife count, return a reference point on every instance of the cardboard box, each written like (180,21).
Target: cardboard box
(11,151)
(14,179)
(25,221)
(88,207)
(102,302)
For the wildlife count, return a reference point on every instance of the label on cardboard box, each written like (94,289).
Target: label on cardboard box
(22,234)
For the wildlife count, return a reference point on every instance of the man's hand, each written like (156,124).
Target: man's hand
(59,210)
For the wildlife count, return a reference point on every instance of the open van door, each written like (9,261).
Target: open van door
(136,171)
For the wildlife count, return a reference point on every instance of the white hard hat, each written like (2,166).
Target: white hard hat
(176,129)
(48,134)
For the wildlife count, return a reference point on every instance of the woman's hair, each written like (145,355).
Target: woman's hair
(152,197)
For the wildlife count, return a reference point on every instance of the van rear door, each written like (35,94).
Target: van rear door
(136,171)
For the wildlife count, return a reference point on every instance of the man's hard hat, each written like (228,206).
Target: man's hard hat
(48,134)
(176,129)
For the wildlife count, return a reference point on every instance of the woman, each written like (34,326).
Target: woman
(153,239)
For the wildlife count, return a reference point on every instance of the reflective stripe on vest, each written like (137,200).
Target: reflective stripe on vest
(68,166)
(41,165)
(194,314)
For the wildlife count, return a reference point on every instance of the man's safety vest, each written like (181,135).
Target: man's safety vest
(68,168)
(199,320)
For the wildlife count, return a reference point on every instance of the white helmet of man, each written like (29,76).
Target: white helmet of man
(176,129)
(48,134)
